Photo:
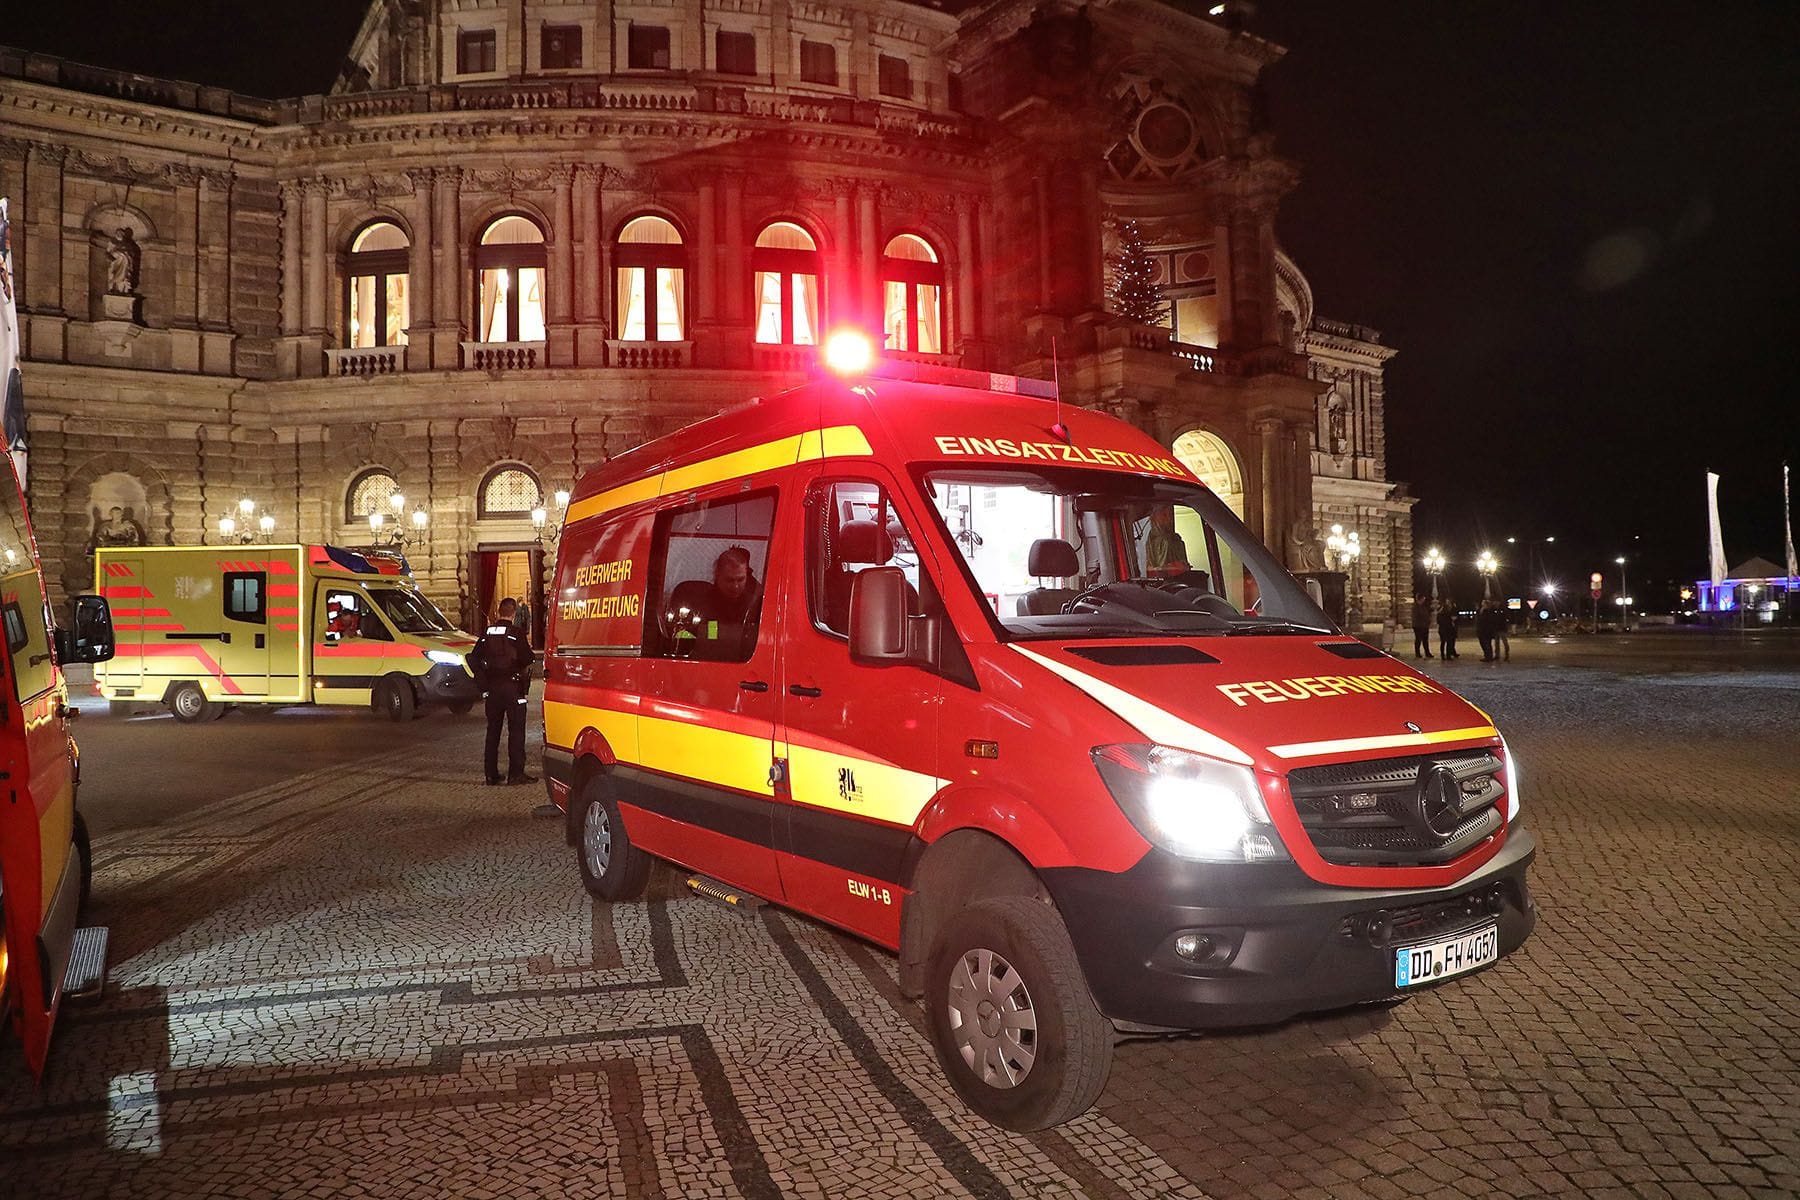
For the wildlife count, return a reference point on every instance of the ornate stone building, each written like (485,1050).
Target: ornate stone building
(517,238)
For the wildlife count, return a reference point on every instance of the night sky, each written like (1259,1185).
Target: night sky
(1578,224)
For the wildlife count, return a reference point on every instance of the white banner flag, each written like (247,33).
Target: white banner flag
(1718,539)
(12,387)
(1787,527)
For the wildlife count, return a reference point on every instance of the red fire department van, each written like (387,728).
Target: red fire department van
(1001,686)
(44,860)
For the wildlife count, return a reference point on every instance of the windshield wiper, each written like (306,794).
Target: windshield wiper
(1275,625)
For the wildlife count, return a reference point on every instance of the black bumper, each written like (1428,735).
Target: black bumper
(1280,942)
(446,684)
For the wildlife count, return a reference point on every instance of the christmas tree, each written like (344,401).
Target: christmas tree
(1132,292)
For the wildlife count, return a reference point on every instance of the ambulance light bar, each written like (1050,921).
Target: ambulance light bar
(849,353)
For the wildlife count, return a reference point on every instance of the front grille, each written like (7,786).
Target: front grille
(1367,813)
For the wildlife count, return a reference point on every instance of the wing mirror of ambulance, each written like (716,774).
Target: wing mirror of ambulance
(882,627)
(89,636)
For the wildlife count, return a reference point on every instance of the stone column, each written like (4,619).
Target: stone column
(965,268)
(840,268)
(735,287)
(868,253)
(317,259)
(1268,435)
(290,258)
(447,271)
(421,270)
(706,262)
(592,266)
(213,301)
(560,332)
(41,310)
(184,296)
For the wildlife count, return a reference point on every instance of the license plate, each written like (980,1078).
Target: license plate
(1414,965)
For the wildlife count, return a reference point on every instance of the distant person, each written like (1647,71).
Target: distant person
(1421,621)
(1446,621)
(501,663)
(1502,625)
(1486,617)
(522,621)
(1164,551)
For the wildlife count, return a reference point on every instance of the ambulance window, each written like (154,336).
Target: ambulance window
(709,562)
(851,526)
(348,614)
(244,596)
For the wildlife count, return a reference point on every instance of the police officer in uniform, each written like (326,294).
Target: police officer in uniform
(501,663)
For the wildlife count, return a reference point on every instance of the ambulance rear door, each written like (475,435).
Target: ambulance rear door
(287,664)
(244,624)
(137,616)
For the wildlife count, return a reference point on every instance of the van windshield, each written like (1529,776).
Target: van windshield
(409,612)
(1072,553)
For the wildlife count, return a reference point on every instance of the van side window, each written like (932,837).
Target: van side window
(851,525)
(706,594)
(244,596)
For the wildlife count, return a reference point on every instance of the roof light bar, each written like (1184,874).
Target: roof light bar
(850,353)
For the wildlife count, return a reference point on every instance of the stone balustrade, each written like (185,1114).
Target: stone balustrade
(366,361)
(502,356)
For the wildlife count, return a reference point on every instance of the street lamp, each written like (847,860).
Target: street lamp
(1434,566)
(1487,564)
(546,531)
(1624,587)
(397,537)
(1345,548)
(247,526)
(1549,590)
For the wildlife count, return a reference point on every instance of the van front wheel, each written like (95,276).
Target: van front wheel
(394,696)
(1012,1020)
(189,703)
(611,867)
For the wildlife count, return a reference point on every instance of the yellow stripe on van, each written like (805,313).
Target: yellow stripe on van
(839,441)
(881,791)
(1393,742)
(563,723)
(700,752)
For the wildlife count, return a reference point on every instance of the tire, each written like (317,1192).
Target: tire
(611,867)
(394,696)
(460,708)
(1012,954)
(219,711)
(189,703)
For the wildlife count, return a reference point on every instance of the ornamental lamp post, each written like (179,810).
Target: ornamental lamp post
(1624,587)
(1487,564)
(1434,566)
(1345,548)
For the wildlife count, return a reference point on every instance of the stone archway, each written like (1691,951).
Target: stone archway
(93,491)
(1210,457)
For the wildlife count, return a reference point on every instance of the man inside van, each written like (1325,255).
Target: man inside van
(1164,551)
(730,610)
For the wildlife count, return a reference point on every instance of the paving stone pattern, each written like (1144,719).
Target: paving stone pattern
(378,980)
(1642,1044)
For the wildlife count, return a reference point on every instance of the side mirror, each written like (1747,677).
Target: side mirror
(882,630)
(89,637)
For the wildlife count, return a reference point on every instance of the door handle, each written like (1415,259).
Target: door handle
(753,685)
(800,689)
(260,644)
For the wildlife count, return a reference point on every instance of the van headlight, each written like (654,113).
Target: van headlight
(1512,782)
(449,658)
(1190,805)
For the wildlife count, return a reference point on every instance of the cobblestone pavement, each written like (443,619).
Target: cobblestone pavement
(376,979)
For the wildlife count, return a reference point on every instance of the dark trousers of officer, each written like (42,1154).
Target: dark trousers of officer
(506,704)
(1421,641)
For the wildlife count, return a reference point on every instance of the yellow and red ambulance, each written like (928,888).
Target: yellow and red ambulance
(1086,768)
(45,866)
(201,629)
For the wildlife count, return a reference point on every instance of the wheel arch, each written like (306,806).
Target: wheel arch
(593,756)
(959,868)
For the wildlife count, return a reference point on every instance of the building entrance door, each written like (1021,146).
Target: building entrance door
(513,570)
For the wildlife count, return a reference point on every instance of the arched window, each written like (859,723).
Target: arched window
(509,265)
(510,490)
(369,492)
(786,262)
(912,283)
(376,307)
(652,281)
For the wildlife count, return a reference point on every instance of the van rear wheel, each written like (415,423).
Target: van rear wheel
(611,867)
(1012,1020)
(189,703)
(394,696)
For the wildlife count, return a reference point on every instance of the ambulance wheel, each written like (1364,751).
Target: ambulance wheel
(219,711)
(189,703)
(611,867)
(1012,1020)
(394,696)
(460,707)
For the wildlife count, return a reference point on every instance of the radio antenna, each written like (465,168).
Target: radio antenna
(1059,429)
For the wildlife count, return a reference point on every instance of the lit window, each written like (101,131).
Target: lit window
(818,63)
(509,491)
(786,262)
(559,47)
(651,281)
(509,264)
(894,77)
(735,52)
(369,492)
(376,307)
(912,283)
(475,50)
(1195,319)
(647,48)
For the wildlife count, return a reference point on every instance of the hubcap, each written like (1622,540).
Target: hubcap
(596,839)
(189,702)
(992,1020)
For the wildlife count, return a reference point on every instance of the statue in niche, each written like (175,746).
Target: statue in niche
(122,258)
(120,527)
